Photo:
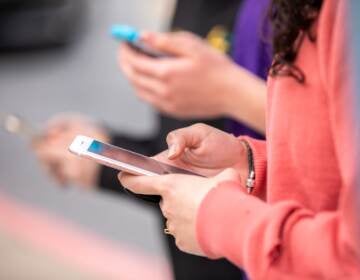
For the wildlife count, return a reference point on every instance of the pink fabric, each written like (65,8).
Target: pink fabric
(301,221)
(101,258)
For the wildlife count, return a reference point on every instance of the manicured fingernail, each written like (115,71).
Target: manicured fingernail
(172,150)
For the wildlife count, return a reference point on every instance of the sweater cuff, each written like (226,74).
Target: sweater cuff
(223,220)
(258,148)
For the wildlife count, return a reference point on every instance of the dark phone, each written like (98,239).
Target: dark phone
(144,49)
(131,36)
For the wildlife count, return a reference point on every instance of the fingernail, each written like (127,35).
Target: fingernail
(172,150)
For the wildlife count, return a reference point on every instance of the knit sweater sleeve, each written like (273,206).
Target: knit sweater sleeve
(273,241)
(258,148)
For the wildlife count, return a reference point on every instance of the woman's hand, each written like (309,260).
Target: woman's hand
(181,198)
(205,150)
(195,81)
(187,84)
(51,149)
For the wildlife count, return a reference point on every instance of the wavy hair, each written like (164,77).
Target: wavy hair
(291,21)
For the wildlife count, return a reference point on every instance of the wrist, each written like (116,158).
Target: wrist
(245,98)
(232,90)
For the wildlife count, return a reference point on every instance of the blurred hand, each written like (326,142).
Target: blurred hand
(52,150)
(181,198)
(205,150)
(196,81)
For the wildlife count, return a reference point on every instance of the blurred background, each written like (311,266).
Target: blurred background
(56,56)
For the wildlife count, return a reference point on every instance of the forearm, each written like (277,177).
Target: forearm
(272,241)
(246,98)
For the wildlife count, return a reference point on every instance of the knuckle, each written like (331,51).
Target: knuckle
(170,227)
(165,93)
(199,126)
(163,39)
(168,191)
(165,210)
(188,38)
(184,35)
(165,73)
(179,243)
(171,136)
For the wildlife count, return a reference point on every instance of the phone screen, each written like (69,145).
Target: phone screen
(145,49)
(134,159)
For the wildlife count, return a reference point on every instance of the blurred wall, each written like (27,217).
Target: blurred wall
(82,77)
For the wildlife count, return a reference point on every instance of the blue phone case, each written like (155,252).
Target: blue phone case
(131,35)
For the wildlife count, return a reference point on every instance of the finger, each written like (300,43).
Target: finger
(49,153)
(148,84)
(56,170)
(163,157)
(38,143)
(179,140)
(53,159)
(151,99)
(174,43)
(72,170)
(60,123)
(148,185)
(125,67)
(164,209)
(140,63)
(59,126)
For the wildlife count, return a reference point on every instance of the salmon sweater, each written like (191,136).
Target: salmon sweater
(301,222)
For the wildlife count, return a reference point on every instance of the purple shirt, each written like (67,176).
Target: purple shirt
(250,49)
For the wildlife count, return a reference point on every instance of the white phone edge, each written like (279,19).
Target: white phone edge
(80,146)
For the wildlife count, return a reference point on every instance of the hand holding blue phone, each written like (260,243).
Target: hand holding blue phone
(132,36)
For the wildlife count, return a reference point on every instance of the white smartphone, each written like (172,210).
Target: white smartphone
(122,159)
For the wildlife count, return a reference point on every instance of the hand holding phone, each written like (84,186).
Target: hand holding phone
(123,160)
(132,37)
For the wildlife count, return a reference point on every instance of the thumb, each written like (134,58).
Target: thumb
(185,138)
(175,43)
(147,185)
